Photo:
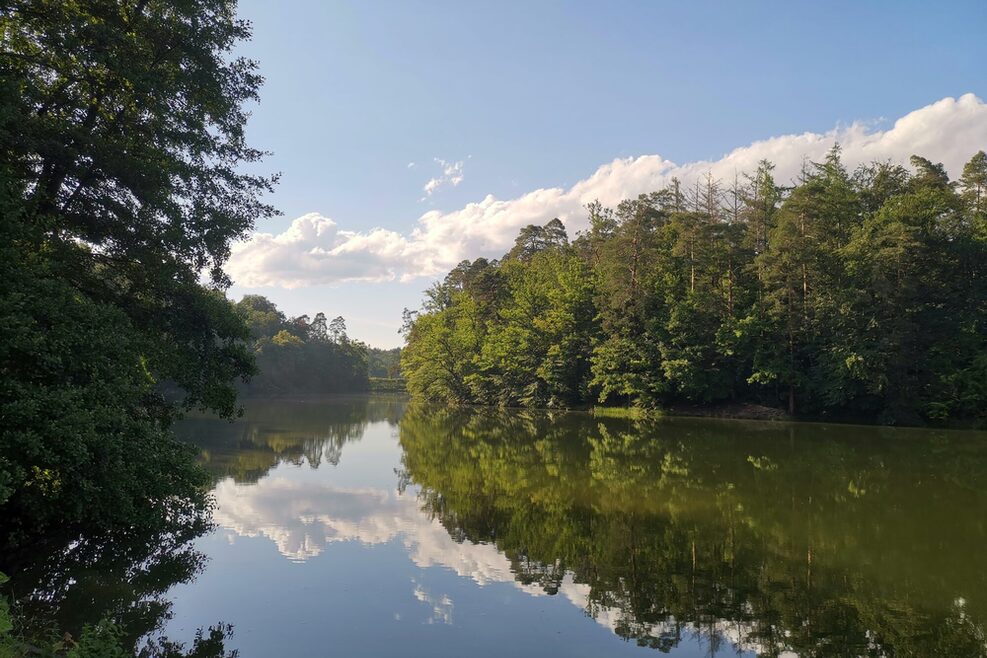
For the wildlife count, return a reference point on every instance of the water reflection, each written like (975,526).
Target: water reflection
(275,431)
(807,539)
(303,516)
(123,578)
(449,530)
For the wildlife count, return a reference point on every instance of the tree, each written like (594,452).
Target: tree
(121,151)
(533,239)
(337,330)
(319,329)
(973,182)
(624,365)
(301,355)
(911,264)
(127,136)
(802,276)
(261,315)
(760,204)
(384,363)
(440,351)
(536,351)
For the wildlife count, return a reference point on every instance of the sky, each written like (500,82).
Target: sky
(410,135)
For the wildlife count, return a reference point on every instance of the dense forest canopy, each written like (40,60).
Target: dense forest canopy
(850,293)
(384,362)
(301,354)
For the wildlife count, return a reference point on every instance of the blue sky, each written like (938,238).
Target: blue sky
(531,95)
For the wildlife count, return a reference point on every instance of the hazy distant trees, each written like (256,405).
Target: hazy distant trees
(301,355)
(384,363)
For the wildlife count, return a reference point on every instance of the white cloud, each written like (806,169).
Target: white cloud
(452,174)
(315,251)
(441,605)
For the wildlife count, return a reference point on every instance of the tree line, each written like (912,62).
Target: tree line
(856,294)
(301,354)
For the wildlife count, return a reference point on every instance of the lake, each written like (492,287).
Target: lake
(365,526)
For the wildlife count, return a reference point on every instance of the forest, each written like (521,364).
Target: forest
(849,294)
(301,354)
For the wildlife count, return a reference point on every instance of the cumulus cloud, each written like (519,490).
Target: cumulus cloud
(314,250)
(452,174)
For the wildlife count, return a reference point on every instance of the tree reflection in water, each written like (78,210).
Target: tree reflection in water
(814,539)
(64,586)
(309,431)
(773,538)
(59,589)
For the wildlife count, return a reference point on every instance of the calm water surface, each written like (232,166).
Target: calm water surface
(367,527)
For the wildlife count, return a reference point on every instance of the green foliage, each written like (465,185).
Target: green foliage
(387,385)
(6,623)
(124,131)
(103,596)
(121,152)
(299,355)
(442,352)
(534,350)
(852,294)
(106,640)
(384,363)
(84,438)
(632,413)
